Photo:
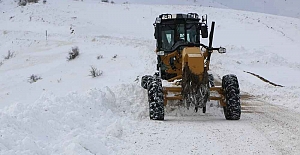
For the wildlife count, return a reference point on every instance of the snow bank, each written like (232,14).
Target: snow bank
(91,123)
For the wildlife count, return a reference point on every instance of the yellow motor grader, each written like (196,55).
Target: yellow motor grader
(184,60)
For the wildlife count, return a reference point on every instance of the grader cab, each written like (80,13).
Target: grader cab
(184,60)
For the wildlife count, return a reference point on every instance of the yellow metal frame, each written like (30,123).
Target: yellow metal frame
(178,96)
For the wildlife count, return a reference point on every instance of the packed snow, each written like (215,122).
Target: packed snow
(69,112)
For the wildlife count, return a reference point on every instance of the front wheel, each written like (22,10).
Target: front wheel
(155,99)
(144,81)
(230,85)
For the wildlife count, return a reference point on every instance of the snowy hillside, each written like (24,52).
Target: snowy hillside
(69,112)
(276,7)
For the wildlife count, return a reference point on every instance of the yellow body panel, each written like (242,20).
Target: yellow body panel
(193,57)
(195,63)
(166,61)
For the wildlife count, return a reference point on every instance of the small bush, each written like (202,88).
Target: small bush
(115,56)
(1,63)
(9,55)
(99,57)
(112,2)
(22,2)
(106,1)
(32,1)
(33,78)
(95,72)
(73,54)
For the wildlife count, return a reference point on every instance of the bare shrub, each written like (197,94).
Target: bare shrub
(9,55)
(106,1)
(33,78)
(73,54)
(112,2)
(99,57)
(95,72)
(32,1)
(1,63)
(22,2)
(115,56)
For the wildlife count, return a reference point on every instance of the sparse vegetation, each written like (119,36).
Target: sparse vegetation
(24,2)
(95,72)
(9,55)
(106,1)
(33,78)
(32,1)
(99,57)
(73,54)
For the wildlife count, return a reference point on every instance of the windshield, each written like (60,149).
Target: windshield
(175,34)
(168,33)
(191,33)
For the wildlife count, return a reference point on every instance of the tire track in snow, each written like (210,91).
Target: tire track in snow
(279,125)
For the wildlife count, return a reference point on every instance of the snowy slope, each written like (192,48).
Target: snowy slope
(288,8)
(68,112)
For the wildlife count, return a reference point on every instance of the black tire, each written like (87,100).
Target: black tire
(204,110)
(230,85)
(144,81)
(211,80)
(155,99)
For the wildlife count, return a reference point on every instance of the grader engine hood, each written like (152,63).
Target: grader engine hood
(194,59)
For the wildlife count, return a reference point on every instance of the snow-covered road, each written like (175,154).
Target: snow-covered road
(263,129)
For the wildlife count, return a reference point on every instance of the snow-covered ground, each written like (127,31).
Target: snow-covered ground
(69,112)
(288,8)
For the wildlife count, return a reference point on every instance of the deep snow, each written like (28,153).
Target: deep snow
(69,112)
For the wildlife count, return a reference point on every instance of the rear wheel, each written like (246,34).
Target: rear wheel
(155,99)
(230,85)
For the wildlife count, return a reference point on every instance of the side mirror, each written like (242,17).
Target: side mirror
(204,31)
(222,50)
